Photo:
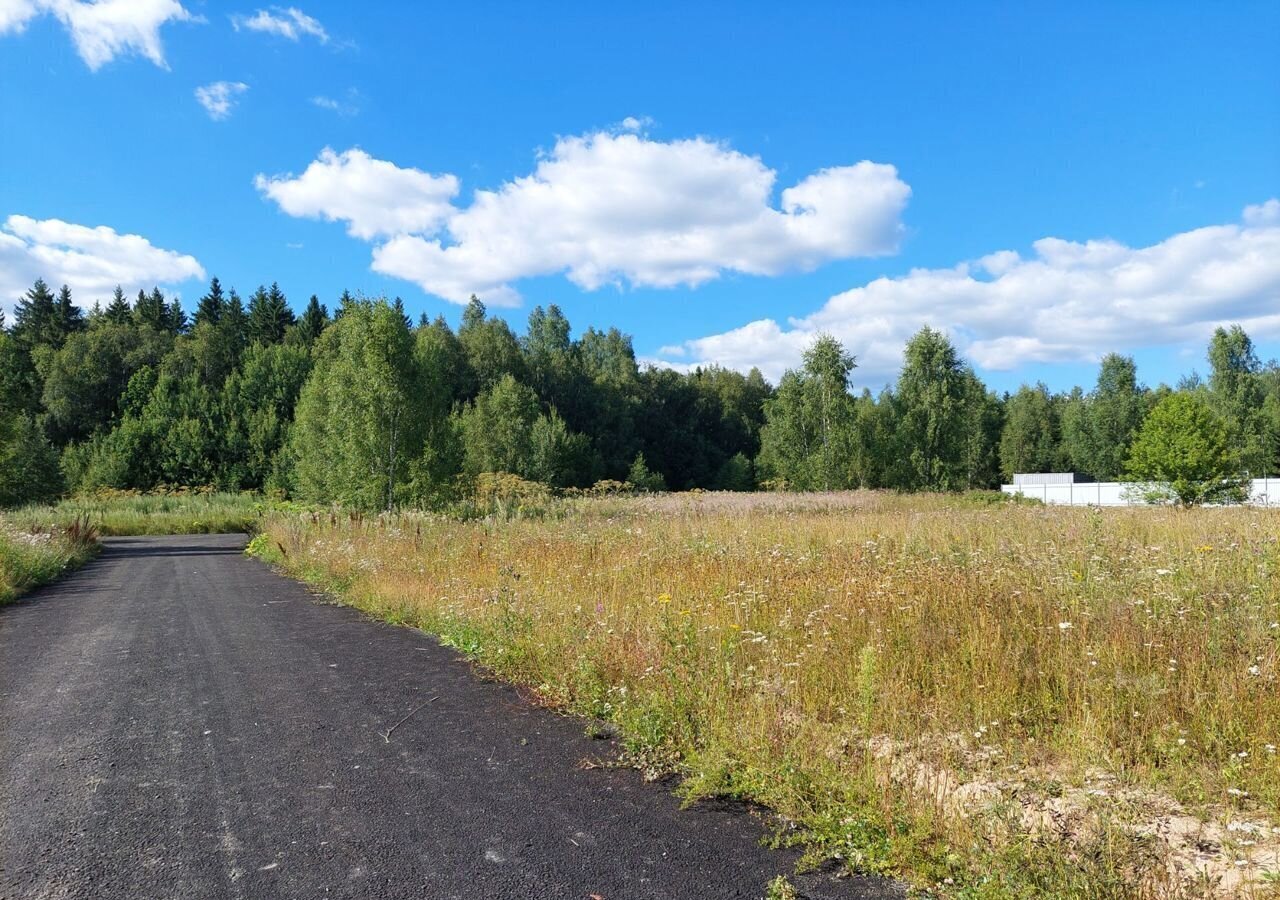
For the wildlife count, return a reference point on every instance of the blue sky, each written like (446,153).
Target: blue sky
(1152,131)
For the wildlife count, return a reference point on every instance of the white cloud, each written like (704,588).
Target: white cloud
(219,98)
(348,106)
(1068,302)
(291,23)
(632,123)
(104,29)
(92,261)
(1263,213)
(15,14)
(375,198)
(612,209)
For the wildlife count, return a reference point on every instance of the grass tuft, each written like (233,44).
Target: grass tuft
(32,557)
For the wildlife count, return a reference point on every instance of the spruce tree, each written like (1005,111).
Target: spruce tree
(118,309)
(313,321)
(36,320)
(151,310)
(269,315)
(70,317)
(177,318)
(211,305)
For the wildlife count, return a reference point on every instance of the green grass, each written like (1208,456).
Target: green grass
(30,558)
(121,513)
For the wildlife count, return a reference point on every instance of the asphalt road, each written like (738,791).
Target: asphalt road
(176,720)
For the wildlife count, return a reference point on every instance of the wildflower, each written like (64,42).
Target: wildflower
(1255,671)
(664,598)
(1163,572)
(1063,626)
(1207,548)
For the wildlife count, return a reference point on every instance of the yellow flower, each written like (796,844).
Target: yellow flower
(664,598)
(1206,548)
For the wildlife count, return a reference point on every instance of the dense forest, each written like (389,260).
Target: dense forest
(367,408)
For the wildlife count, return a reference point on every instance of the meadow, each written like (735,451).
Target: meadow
(986,698)
(181,511)
(32,556)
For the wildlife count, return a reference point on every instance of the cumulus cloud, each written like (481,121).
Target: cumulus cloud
(375,198)
(104,29)
(615,208)
(92,261)
(219,98)
(1068,301)
(1263,213)
(290,23)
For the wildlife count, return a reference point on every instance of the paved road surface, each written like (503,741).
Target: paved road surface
(178,721)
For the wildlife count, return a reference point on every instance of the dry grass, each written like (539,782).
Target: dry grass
(918,684)
(32,556)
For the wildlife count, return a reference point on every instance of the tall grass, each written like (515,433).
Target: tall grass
(130,513)
(918,685)
(30,558)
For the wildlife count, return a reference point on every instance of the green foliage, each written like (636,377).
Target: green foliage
(497,429)
(28,462)
(641,478)
(1029,441)
(269,315)
(1183,453)
(807,438)
(934,401)
(491,348)
(133,398)
(1237,393)
(737,474)
(356,434)
(85,380)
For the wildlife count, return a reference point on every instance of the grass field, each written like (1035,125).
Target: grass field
(989,699)
(123,513)
(32,557)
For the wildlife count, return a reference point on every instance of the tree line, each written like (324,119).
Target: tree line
(367,408)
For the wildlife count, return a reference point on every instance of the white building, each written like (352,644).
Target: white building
(1069,488)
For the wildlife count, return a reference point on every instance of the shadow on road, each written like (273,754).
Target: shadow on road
(137,548)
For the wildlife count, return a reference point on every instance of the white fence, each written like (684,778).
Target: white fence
(1262,492)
